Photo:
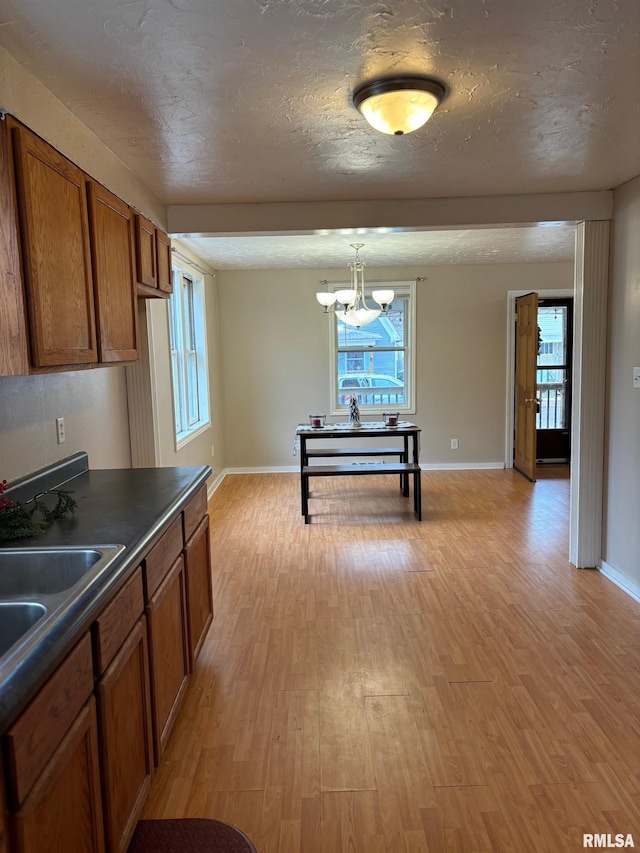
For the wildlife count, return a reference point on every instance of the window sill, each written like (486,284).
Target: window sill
(185,437)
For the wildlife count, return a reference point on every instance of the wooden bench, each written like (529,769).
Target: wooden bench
(405,469)
(357,451)
(337,452)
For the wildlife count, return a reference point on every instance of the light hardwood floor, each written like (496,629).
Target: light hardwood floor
(371,683)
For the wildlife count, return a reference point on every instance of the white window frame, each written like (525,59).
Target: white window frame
(188,355)
(404,288)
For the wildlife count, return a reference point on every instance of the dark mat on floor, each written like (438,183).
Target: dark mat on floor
(193,835)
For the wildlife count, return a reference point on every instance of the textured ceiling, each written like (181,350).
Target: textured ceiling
(415,248)
(249,100)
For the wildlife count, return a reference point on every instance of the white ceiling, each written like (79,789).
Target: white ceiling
(233,101)
(404,248)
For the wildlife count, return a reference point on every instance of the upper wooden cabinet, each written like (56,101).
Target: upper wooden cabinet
(14,351)
(163,255)
(153,259)
(54,227)
(146,261)
(73,259)
(111,230)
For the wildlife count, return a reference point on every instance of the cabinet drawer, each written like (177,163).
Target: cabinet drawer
(33,739)
(113,625)
(194,512)
(162,556)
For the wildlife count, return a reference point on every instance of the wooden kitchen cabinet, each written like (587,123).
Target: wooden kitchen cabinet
(164,262)
(197,565)
(168,653)
(146,259)
(54,232)
(14,353)
(68,266)
(124,711)
(126,751)
(153,259)
(111,240)
(53,767)
(63,813)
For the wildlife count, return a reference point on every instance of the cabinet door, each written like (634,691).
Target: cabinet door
(62,813)
(168,653)
(145,233)
(124,726)
(14,354)
(164,262)
(52,206)
(197,563)
(111,233)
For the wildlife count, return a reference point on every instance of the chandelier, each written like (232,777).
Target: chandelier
(350,304)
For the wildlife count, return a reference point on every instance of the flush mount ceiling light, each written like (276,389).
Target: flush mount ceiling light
(399,105)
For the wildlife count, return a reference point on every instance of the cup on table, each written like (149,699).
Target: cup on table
(317,421)
(390,419)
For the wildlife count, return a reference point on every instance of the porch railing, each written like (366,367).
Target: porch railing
(551,406)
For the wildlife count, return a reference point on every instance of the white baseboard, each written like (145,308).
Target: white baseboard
(269,469)
(461,466)
(213,485)
(620,579)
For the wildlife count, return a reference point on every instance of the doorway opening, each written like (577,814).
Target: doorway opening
(553,380)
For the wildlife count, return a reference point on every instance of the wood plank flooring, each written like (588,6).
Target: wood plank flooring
(371,683)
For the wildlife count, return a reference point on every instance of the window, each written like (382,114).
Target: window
(376,359)
(188,356)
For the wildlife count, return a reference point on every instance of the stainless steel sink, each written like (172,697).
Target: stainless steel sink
(37,586)
(16,618)
(29,572)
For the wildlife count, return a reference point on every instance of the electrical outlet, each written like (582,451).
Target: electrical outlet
(60,430)
(454,443)
(213,451)
(636,377)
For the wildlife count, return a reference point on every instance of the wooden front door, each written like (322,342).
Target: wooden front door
(524,458)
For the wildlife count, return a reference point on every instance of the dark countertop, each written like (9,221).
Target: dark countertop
(127,507)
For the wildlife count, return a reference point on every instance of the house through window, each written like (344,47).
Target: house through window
(375,362)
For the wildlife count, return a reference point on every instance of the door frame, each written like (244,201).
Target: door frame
(591,283)
(512,295)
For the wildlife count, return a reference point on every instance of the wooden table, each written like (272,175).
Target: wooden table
(406,467)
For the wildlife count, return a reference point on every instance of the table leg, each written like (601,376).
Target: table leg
(417,496)
(303,462)
(404,478)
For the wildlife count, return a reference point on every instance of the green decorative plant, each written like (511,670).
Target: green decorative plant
(20,520)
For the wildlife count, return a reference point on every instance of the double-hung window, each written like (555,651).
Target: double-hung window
(376,362)
(188,342)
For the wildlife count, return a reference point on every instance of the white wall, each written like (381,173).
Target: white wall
(275,357)
(93,404)
(621,547)
(198,450)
